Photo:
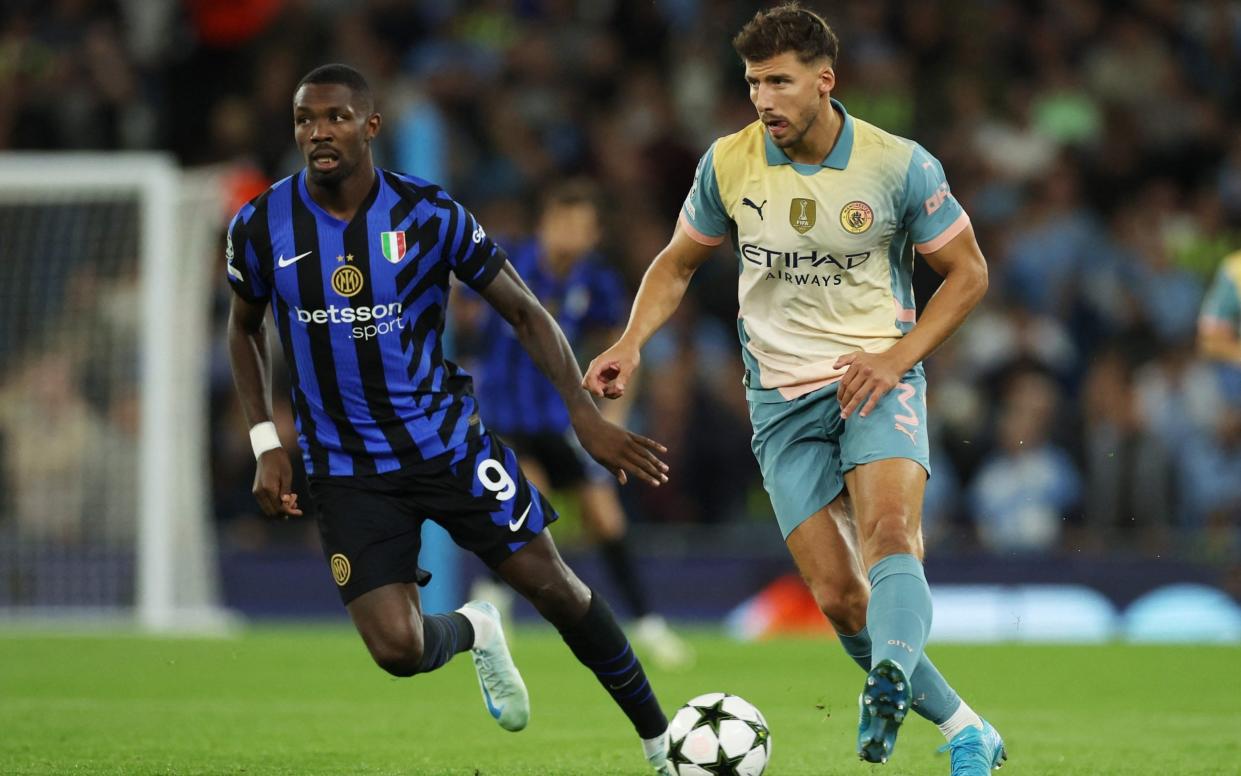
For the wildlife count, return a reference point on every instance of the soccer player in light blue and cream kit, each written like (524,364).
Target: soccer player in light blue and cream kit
(825,213)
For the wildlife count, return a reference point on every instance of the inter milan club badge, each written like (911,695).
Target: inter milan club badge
(802,214)
(347,280)
(856,217)
(393,244)
(340,569)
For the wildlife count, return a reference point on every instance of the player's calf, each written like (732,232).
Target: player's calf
(403,642)
(396,650)
(599,644)
(402,649)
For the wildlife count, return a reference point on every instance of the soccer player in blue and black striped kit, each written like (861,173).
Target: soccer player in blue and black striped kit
(355,262)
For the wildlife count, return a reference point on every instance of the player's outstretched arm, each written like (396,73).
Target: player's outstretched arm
(251,361)
(871,375)
(618,450)
(661,291)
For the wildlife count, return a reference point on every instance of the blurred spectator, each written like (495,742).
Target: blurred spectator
(53,438)
(1129,472)
(1028,487)
(1211,509)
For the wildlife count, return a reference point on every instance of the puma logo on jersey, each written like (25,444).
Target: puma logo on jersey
(757,208)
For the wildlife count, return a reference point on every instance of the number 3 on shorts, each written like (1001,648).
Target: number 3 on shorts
(493,477)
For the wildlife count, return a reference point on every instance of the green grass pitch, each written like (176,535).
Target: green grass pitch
(308,701)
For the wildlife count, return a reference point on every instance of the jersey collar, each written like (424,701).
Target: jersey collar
(837,158)
(318,210)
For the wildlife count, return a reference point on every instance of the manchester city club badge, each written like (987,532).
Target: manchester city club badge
(856,217)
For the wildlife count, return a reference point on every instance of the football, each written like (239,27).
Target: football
(718,734)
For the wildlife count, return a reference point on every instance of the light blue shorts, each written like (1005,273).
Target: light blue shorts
(804,448)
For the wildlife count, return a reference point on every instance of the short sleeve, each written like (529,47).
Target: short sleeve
(241,261)
(1221,308)
(932,215)
(703,215)
(473,256)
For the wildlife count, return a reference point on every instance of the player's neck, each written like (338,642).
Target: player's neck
(820,138)
(343,200)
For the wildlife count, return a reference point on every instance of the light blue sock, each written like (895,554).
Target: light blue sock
(934,698)
(899,614)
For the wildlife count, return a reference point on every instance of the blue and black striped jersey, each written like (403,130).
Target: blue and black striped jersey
(359,307)
(517,397)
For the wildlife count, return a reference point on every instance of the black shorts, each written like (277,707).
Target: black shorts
(371,525)
(560,455)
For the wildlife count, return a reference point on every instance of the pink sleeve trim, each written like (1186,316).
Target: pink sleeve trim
(904,314)
(698,236)
(1210,324)
(954,229)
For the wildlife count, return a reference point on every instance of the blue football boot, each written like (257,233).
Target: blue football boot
(976,752)
(884,702)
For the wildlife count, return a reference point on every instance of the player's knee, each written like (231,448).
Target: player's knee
(891,532)
(397,651)
(843,605)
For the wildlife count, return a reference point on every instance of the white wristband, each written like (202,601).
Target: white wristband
(263,437)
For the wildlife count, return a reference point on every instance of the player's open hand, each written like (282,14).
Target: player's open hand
(609,373)
(273,483)
(620,451)
(867,380)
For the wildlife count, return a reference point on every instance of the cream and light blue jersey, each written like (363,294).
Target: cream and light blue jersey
(824,252)
(1221,310)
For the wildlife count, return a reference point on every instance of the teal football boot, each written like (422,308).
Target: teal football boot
(884,702)
(976,752)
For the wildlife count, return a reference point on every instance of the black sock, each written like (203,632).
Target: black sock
(598,643)
(444,635)
(616,555)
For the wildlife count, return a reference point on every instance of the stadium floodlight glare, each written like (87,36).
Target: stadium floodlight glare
(105,291)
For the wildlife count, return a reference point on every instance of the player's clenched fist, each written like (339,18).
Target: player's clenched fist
(273,481)
(608,374)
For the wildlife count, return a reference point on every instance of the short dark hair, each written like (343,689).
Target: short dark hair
(574,191)
(345,76)
(787,27)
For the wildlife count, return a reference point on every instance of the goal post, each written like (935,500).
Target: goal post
(105,336)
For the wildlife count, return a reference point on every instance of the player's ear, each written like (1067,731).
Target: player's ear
(827,80)
(373,123)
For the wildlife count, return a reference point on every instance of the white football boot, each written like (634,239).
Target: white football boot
(656,751)
(504,693)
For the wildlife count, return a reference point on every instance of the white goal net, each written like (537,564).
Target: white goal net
(105,266)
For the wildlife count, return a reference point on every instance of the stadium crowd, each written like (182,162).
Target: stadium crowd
(1095,145)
